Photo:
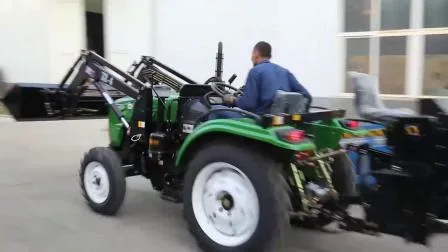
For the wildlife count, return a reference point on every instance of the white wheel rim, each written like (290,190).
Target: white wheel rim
(96,182)
(225,204)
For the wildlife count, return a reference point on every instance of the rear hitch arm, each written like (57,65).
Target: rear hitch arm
(320,157)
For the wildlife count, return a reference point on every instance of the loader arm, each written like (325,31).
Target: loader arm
(90,82)
(95,69)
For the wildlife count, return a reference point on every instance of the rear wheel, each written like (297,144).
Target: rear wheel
(235,199)
(102,180)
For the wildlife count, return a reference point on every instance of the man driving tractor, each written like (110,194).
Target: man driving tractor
(263,81)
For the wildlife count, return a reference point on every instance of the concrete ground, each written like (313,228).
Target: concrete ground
(41,208)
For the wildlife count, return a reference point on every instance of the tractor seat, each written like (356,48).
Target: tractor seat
(289,103)
(368,103)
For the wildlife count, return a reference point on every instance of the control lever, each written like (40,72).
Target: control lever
(232,78)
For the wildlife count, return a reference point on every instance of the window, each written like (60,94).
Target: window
(370,53)
(395,14)
(392,70)
(377,33)
(357,58)
(357,15)
(436,13)
(435,76)
(435,79)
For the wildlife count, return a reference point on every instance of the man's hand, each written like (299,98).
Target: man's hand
(229,99)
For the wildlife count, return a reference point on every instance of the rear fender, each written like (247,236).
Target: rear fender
(239,130)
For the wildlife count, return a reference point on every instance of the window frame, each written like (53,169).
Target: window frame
(415,48)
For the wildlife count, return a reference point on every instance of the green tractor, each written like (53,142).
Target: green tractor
(241,181)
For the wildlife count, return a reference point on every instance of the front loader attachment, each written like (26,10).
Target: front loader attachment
(28,102)
(88,90)
(25,101)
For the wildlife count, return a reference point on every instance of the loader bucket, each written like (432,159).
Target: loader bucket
(26,101)
(38,102)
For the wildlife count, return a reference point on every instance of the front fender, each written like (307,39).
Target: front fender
(242,128)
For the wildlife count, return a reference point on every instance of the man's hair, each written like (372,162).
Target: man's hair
(264,49)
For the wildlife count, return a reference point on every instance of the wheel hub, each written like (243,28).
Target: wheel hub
(225,204)
(96,182)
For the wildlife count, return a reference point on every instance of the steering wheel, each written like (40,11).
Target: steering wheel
(220,89)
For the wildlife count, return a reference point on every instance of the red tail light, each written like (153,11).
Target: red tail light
(352,124)
(292,136)
(295,136)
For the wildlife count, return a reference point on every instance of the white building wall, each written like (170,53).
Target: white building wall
(303,35)
(128,30)
(67,36)
(24,51)
(40,38)
(45,36)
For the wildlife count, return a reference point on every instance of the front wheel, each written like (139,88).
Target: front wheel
(235,199)
(102,180)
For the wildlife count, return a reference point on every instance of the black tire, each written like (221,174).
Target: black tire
(266,178)
(111,163)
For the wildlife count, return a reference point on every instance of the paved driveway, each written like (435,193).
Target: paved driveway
(41,209)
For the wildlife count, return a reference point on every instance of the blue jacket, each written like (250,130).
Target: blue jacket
(262,83)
